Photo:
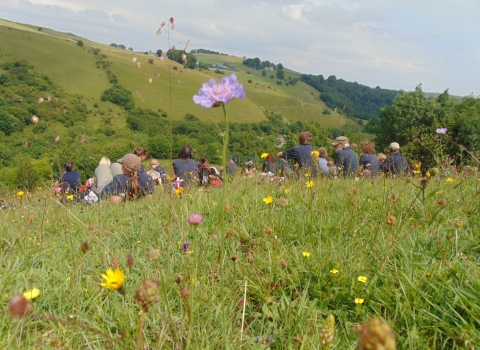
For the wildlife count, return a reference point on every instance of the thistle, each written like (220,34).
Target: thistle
(147,295)
(376,335)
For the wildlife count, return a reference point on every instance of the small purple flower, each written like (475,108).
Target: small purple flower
(185,246)
(442,131)
(195,219)
(213,94)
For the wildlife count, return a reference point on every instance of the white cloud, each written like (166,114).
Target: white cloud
(293,11)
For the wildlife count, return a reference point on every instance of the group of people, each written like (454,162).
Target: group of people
(345,162)
(127,178)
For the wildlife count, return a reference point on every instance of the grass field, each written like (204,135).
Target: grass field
(74,69)
(285,266)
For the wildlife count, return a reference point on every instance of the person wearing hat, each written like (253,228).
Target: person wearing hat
(249,170)
(232,166)
(131,183)
(396,164)
(345,157)
(302,154)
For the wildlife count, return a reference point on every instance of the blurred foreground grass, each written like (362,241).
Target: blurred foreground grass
(300,258)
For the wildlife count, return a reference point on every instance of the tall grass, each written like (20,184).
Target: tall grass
(419,279)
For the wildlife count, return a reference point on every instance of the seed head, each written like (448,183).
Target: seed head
(376,334)
(391,220)
(153,254)
(424,182)
(185,293)
(84,247)
(18,306)
(130,261)
(147,295)
(327,332)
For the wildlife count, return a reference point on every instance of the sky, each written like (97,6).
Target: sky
(394,44)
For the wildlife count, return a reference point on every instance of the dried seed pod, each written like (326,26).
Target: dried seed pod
(18,306)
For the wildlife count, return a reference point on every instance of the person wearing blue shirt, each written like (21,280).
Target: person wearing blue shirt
(345,157)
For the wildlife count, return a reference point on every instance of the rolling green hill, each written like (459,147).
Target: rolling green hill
(74,69)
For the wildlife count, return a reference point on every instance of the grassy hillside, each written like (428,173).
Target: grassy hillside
(74,69)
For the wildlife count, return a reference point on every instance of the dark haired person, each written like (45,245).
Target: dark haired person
(184,166)
(232,166)
(70,180)
(269,166)
(249,169)
(302,154)
(131,183)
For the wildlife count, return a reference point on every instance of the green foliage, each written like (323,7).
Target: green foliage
(361,101)
(412,121)
(176,55)
(119,96)
(9,123)
(159,53)
(80,43)
(264,73)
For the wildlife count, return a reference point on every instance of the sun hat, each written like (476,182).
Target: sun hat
(234,159)
(250,159)
(340,140)
(394,145)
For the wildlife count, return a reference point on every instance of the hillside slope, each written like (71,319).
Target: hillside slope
(75,69)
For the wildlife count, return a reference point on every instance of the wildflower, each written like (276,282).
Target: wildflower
(424,182)
(418,165)
(438,192)
(307,175)
(450,180)
(20,193)
(327,332)
(315,154)
(362,279)
(195,219)
(306,254)
(185,292)
(359,301)
(283,202)
(268,200)
(356,190)
(114,280)
(376,334)
(310,184)
(70,197)
(442,202)
(213,94)
(18,306)
(286,191)
(150,80)
(264,155)
(185,246)
(31,294)
(334,271)
(147,295)
(179,191)
(296,165)
(442,131)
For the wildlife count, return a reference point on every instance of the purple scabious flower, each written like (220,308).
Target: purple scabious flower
(442,131)
(195,219)
(185,246)
(213,94)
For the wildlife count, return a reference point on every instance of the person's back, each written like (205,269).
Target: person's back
(116,169)
(70,179)
(396,164)
(348,160)
(369,162)
(119,185)
(232,168)
(102,177)
(185,169)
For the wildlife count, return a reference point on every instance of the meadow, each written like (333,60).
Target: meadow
(391,248)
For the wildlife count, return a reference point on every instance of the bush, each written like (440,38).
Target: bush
(80,43)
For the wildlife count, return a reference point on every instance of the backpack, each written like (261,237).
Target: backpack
(204,175)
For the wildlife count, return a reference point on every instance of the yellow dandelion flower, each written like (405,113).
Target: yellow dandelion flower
(334,271)
(362,279)
(307,175)
(268,200)
(286,191)
(428,174)
(306,254)
(20,193)
(315,154)
(359,301)
(179,191)
(310,184)
(418,165)
(450,180)
(31,294)
(264,155)
(438,192)
(113,279)
(70,197)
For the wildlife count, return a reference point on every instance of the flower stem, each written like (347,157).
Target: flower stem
(224,161)
(140,332)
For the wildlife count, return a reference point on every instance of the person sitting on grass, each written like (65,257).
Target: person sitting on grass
(102,176)
(142,153)
(269,166)
(159,170)
(130,184)
(249,169)
(368,159)
(301,154)
(322,161)
(396,164)
(185,167)
(232,166)
(345,158)
(70,180)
